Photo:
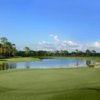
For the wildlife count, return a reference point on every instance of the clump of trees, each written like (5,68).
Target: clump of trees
(7,49)
(59,53)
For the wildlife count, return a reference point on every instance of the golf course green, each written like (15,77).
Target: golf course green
(50,84)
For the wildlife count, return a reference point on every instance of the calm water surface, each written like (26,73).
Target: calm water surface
(47,63)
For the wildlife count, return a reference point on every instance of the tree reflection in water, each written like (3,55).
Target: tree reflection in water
(90,63)
(27,65)
(6,66)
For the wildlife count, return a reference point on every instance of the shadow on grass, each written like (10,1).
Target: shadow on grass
(92,89)
(91,93)
(5,89)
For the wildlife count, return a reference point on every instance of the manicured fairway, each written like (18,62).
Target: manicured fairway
(50,84)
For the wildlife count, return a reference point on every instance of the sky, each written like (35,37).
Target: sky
(51,24)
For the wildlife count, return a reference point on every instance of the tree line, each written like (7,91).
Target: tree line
(57,53)
(8,49)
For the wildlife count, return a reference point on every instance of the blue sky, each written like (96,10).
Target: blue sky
(51,24)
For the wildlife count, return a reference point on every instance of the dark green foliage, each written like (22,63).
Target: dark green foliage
(58,53)
(7,49)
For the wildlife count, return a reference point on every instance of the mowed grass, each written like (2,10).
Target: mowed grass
(50,84)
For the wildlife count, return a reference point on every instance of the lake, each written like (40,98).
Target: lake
(48,63)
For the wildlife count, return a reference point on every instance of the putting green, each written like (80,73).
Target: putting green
(50,84)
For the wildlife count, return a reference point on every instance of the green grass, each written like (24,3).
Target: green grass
(31,59)
(50,84)
(77,57)
(20,59)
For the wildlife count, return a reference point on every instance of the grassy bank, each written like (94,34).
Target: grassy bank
(69,57)
(52,84)
(20,59)
(30,59)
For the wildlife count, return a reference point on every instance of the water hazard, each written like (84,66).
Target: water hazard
(48,63)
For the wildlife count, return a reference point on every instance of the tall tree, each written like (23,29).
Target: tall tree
(7,49)
(27,51)
(3,40)
(88,52)
(93,52)
(14,50)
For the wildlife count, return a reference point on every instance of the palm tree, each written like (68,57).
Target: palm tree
(88,52)
(7,49)
(14,50)
(94,52)
(0,49)
(27,51)
(3,40)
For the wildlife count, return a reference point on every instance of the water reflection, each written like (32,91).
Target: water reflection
(27,64)
(90,63)
(6,66)
(48,63)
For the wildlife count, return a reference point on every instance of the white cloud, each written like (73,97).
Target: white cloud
(96,45)
(58,44)
(55,37)
(70,45)
(43,45)
(43,42)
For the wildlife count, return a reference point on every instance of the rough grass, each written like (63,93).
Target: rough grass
(50,84)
